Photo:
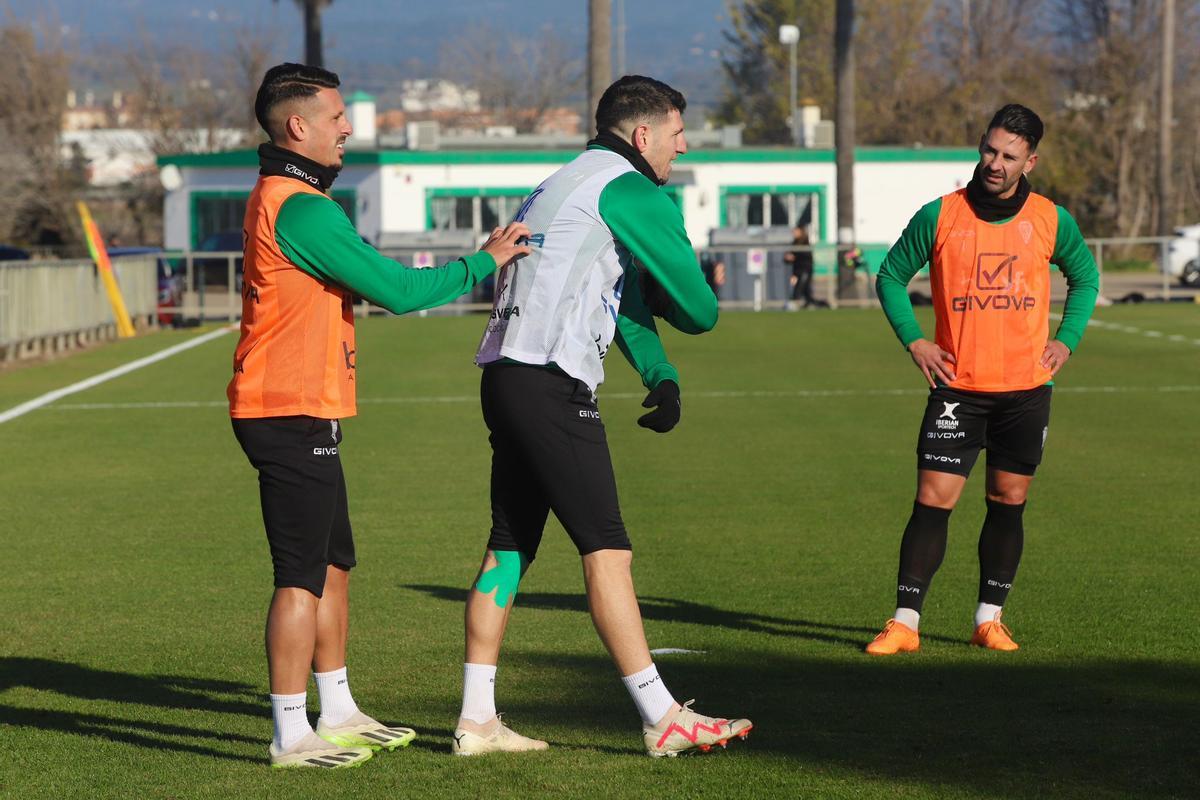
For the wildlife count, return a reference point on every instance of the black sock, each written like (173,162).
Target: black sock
(1000,544)
(921,552)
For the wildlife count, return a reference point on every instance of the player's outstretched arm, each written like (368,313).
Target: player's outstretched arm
(317,236)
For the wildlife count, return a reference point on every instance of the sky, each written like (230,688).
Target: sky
(373,43)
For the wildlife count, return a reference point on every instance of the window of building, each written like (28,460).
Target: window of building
(475,210)
(221,212)
(774,207)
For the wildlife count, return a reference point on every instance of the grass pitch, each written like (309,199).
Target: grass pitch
(765,527)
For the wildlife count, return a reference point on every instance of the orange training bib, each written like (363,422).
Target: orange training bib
(991,293)
(296,355)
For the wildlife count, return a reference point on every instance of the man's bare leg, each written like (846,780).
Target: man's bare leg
(486,617)
(615,612)
(489,603)
(333,621)
(291,639)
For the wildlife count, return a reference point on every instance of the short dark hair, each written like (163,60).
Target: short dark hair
(289,82)
(636,97)
(1021,121)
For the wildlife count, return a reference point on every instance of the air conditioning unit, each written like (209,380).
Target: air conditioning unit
(822,135)
(424,135)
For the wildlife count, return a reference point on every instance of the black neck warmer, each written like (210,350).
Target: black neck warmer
(274,160)
(628,151)
(989,207)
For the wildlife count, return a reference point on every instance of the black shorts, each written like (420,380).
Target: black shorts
(1012,427)
(549,451)
(303,495)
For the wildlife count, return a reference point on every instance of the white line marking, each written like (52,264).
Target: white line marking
(95,380)
(468,398)
(1113,326)
(668,651)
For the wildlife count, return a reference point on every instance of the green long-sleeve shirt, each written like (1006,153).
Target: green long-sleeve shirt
(914,249)
(316,235)
(647,223)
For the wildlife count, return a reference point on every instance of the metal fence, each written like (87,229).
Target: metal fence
(46,306)
(757,276)
(1158,246)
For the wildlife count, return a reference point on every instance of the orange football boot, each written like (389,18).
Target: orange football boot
(895,638)
(994,635)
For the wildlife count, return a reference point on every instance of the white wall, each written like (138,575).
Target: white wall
(887,194)
(391,197)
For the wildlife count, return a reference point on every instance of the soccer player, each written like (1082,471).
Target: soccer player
(293,381)
(601,227)
(989,247)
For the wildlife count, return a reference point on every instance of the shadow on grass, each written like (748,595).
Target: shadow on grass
(168,692)
(955,718)
(1000,725)
(666,609)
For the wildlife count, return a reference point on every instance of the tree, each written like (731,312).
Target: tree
(184,100)
(893,86)
(939,68)
(36,206)
(519,78)
(1109,114)
(757,66)
(314,54)
(599,45)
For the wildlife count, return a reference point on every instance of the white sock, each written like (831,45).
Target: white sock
(333,688)
(649,694)
(479,692)
(290,714)
(986,613)
(909,617)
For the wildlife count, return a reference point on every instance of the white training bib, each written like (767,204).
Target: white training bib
(559,304)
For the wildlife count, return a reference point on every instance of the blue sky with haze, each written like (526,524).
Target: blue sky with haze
(380,42)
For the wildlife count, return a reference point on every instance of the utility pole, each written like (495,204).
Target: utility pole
(789,35)
(843,63)
(621,68)
(599,53)
(314,54)
(1166,211)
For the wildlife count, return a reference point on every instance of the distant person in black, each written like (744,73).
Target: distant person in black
(714,272)
(802,272)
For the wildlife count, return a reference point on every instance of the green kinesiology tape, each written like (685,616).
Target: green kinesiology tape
(504,577)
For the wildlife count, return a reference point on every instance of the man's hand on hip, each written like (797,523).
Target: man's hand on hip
(503,245)
(1054,356)
(934,362)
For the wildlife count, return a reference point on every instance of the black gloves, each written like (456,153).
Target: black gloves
(664,399)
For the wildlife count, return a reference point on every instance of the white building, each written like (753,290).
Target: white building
(392,195)
(118,155)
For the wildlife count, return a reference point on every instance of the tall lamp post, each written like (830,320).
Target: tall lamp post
(789,35)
